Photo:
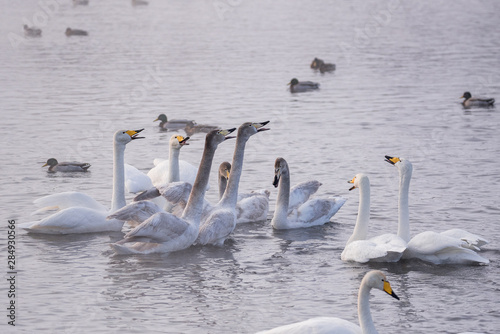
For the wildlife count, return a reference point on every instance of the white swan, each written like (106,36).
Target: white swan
(251,207)
(382,248)
(80,213)
(430,246)
(163,232)
(329,325)
(135,180)
(311,213)
(222,219)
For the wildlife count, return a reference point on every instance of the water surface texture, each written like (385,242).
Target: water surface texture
(401,68)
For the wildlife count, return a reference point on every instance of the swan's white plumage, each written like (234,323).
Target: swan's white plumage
(326,325)
(474,241)
(382,248)
(301,192)
(135,180)
(136,212)
(310,213)
(79,212)
(159,173)
(429,246)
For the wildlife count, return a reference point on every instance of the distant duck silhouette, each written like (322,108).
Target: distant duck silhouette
(173,124)
(139,3)
(55,166)
(80,2)
(297,86)
(192,128)
(471,101)
(76,32)
(32,32)
(318,64)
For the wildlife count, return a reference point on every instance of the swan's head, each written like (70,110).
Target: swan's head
(248,129)
(215,137)
(467,95)
(177,141)
(162,118)
(360,180)
(224,170)
(293,82)
(51,162)
(402,164)
(376,279)
(280,168)
(126,136)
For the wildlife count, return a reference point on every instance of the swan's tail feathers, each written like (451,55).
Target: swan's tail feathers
(147,195)
(472,241)
(26,226)
(66,200)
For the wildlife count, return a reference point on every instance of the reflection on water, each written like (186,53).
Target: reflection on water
(401,68)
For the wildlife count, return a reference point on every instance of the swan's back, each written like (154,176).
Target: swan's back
(66,200)
(301,192)
(135,180)
(159,173)
(320,325)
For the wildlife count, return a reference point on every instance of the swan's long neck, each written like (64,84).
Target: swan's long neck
(363,220)
(403,210)
(194,207)
(118,197)
(283,199)
(173,165)
(222,186)
(364,314)
(230,197)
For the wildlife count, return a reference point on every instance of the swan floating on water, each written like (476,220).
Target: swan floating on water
(55,166)
(328,325)
(382,248)
(309,213)
(429,246)
(164,232)
(80,213)
(221,220)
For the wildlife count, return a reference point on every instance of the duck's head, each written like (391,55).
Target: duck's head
(178,141)
(280,169)
(225,170)
(126,136)
(467,95)
(360,180)
(315,63)
(25,27)
(162,118)
(51,162)
(376,279)
(293,82)
(68,31)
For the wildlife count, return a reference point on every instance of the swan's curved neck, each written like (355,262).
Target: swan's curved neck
(194,207)
(283,200)
(173,165)
(118,197)
(364,314)
(230,197)
(222,186)
(403,210)
(363,220)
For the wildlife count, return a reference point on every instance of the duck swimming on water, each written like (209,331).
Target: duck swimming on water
(297,86)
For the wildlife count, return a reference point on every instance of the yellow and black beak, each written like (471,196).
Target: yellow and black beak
(352,182)
(259,126)
(226,132)
(182,140)
(134,134)
(392,160)
(388,289)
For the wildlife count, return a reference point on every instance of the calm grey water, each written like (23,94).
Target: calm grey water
(401,67)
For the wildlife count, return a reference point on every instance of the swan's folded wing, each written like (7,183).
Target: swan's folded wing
(217,227)
(362,251)
(430,242)
(252,209)
(473,241)
(146,195)
(66,200)
(176,192)
(135,180)
(301,192)
(319,210)
(136,212)
(161,227)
